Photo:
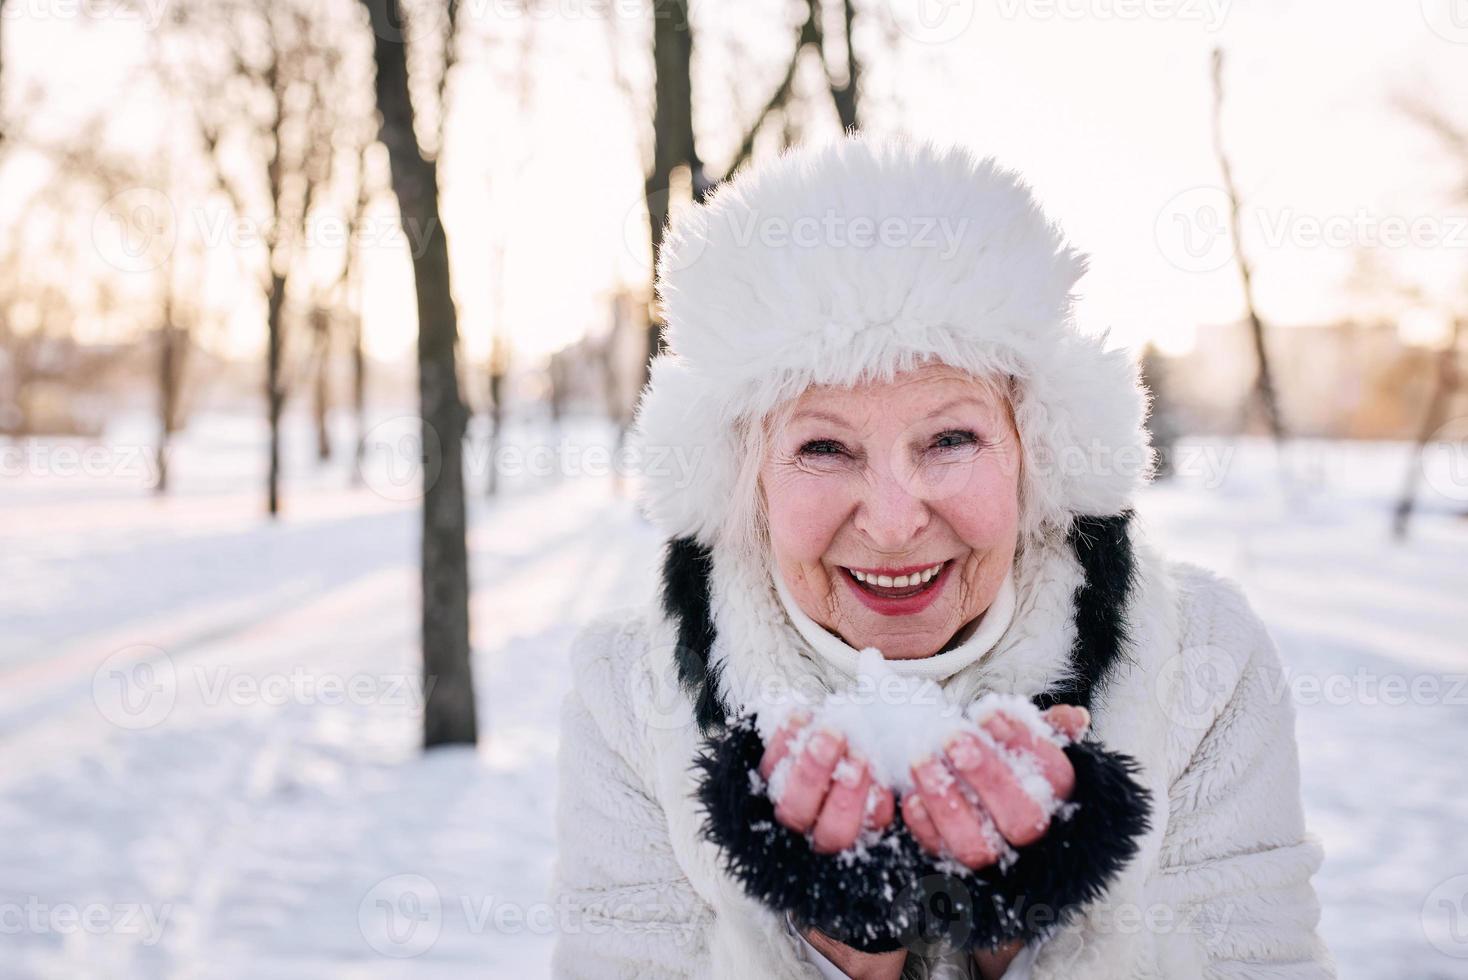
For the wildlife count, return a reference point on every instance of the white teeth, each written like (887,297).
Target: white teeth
(900,581)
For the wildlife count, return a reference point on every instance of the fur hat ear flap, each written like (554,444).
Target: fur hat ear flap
(1082,416)
(688,457)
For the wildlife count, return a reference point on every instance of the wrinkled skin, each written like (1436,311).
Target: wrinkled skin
(920,470)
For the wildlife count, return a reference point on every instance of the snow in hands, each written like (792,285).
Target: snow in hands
(894,724)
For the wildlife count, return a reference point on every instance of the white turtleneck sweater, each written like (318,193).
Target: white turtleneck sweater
(977,639)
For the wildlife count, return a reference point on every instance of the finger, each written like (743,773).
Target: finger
(1070,720)
(809,779)
(1018,815)
(779,746)
(841,814)
(881,807)
(958,822)
(1017,737)
(920,824)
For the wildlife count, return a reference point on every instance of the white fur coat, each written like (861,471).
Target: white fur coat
(1221,885)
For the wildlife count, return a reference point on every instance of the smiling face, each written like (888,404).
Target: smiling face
(893,508)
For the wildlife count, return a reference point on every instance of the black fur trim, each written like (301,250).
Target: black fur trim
(687,566)
(898,895)
(1103,546)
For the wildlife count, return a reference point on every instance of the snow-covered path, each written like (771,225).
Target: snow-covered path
(265,812)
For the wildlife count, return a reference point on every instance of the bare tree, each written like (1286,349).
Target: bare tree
(1264,379)
(267,78)
(2,73)
(449,710)
(44,293)
(1447,379)
(1434,415)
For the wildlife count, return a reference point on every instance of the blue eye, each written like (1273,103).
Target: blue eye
(822,447)
(954,439)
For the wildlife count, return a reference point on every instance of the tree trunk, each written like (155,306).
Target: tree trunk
(321,392)
(496,422)
(168,377)
(1437,404)
(1264,379)
(673,146)
(274,393)
(449,710)
(359,393)
(2,76)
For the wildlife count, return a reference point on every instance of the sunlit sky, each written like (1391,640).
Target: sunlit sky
(1103,105)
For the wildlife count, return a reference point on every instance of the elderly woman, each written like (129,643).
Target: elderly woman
(879,446)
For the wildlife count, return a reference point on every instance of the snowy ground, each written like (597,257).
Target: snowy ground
(208,723)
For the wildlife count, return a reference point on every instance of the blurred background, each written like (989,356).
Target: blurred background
(322,321)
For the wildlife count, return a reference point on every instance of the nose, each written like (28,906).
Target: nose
(890,515)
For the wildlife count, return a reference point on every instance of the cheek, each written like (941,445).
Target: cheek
(986,511)
(803,516)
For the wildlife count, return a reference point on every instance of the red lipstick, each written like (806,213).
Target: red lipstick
(897,601)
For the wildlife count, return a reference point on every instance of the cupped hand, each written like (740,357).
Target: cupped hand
(827,789)
(969,802)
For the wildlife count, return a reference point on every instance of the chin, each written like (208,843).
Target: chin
(902,643)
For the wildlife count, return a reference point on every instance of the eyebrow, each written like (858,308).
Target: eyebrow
(815,413)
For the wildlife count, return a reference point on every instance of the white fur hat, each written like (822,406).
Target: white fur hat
(852,260)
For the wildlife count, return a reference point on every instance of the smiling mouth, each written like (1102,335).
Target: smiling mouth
(884,585)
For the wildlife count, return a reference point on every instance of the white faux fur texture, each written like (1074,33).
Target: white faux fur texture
(852,260)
